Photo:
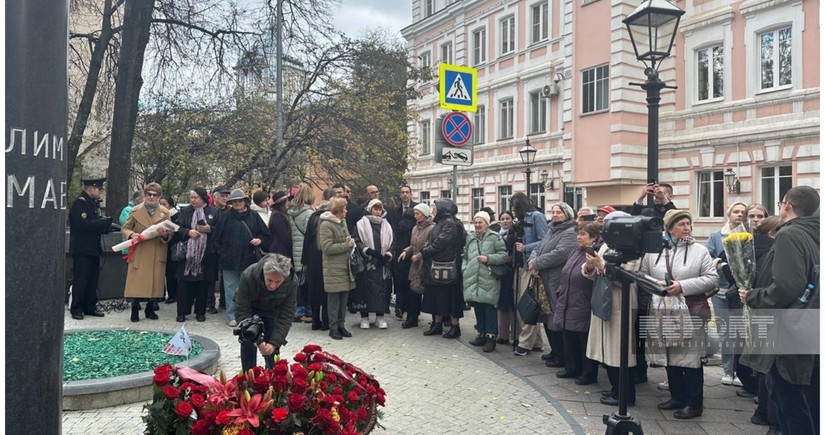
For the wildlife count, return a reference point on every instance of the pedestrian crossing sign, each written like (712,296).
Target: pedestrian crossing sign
(457,87)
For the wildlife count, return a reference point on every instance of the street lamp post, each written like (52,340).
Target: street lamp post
(652,27)
(528,157)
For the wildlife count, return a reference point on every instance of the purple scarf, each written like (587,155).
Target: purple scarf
(196,247)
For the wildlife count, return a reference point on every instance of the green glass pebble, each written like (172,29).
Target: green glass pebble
(103,354)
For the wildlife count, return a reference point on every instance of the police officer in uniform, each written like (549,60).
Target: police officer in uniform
(87,225)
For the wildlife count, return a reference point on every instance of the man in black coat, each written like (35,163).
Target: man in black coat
(402,221)
(662,201)
(87,225)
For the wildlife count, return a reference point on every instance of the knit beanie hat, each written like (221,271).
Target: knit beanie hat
(423,209)
(483,215)
(202,193)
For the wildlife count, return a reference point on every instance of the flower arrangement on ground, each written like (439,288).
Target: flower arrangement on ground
(317,394)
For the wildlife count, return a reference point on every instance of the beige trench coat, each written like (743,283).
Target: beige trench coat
(146,273)
(604,338)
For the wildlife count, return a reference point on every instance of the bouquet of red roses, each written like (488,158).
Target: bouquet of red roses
(317,394)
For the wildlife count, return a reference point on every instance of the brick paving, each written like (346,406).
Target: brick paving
(436,385)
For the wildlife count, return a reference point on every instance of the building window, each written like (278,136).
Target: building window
(446,194)
(775,53)
(538,112)
(573,196)
(479,124)
(505,119)
(425,198)
(595,89)
(447,52)
(711,194)
(479,46)
(426,60)
(508,35)
(430,7)
(537,195)
(504,194)
(710,64)
(426,134)
(541,22)
(776,181)
(478,200)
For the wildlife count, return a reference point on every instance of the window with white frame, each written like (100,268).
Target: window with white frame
(426,60)
(711,188)
(429,7)
(595,89)
(447,194)
(776,182)
(538,112)
(710,69)
(505,116)
(480,125)
(504,194)
(537,195)
(775,58)
(425,198)
(426,134)
(447,52)
(508,35)
(478,200)
(540,24)
(479,46)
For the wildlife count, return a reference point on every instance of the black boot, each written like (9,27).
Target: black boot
(435,328)
(490,345)
(135,311)
(454,332)
(150,311)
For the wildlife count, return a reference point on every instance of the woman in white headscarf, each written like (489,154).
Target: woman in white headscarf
(374,240)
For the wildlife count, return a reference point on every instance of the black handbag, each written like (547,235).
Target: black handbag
(528,306)
(601,303)
(442,272)
(357,263)
(257,250)
(179,250)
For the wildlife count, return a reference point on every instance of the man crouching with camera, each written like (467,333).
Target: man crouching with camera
(264,305)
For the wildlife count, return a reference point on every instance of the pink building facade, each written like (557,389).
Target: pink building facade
(747,98)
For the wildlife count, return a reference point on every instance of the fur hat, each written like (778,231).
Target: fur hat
(484,215)
(675,215)
(423,209)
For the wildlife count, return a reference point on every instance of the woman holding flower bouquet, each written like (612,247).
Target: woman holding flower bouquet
(146,273)
(687,272)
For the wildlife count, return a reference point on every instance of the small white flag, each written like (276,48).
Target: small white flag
(180,344)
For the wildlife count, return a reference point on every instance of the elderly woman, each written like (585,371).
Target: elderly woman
(374,239)
(686,270)
(267,290)
(571,312)
(548,260)
(604,337)
(420,234)
(147,259)
(238,232)
(484,248)
(443,299)
(735,217)
(336,246)
(199,270)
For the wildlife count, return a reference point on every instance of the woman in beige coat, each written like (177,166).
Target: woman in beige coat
(420,234)
(336,245)
(146,272)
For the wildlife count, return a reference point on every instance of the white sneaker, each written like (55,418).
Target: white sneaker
(365,323)
(736,381)
(372,318)
(232,323)
(727,379)
(381,323)
(663,386)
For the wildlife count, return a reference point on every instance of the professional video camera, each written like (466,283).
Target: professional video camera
(633,237)
(250,330)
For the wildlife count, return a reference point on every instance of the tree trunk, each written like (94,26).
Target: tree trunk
(90,89)
(137,20)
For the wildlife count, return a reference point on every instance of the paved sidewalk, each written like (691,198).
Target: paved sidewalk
(436,385)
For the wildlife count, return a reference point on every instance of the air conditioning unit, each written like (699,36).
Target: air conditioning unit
(550,90)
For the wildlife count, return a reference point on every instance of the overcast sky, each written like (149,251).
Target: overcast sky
(357,16)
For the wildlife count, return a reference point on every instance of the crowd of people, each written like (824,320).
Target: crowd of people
(354,255)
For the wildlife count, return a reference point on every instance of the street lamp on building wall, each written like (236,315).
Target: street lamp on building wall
(652,27)
(528,157)
(732,181)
